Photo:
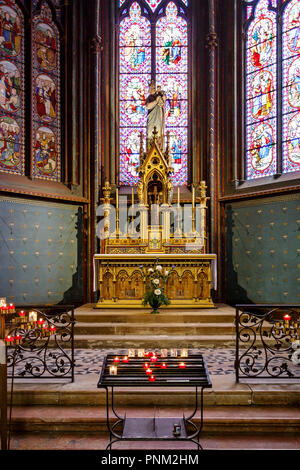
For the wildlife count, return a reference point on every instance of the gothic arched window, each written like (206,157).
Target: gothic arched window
(272,91)
(12,92)
(46,96)
(153,45)
(41,156)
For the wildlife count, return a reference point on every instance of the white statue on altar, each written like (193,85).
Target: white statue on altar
(155,104)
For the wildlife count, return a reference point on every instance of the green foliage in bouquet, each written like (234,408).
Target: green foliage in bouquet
(156,278)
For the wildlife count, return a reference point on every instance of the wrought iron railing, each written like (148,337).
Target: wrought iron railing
(42,349)
(267,342)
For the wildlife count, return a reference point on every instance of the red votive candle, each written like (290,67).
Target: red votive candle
(149,371)
(163,365)
(116,360)
(126,359)
(182,365)
(40,322)
(9,339)
(152,378)
(287,317)
(22,315)
(52,329)
(153,358)
(146,365)
(18,339)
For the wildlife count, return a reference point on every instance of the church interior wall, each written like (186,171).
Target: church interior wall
(262,250)
(41,250)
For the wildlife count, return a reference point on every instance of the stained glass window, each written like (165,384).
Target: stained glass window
(272,92)
(12,159)
(172,76)
(135,75)
(166,62)
(46,97)
(261,84)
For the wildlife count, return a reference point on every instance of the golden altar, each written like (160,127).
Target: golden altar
(160,234)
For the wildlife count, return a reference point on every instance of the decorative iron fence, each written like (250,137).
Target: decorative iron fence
(40,343)
(267,342)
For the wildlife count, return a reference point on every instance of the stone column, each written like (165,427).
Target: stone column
(212,44)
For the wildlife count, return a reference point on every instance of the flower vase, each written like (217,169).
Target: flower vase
(155,306)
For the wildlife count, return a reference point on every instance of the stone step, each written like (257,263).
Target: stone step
(224,420)
(149,318)
(163,317)
(221,314)
(224,391)
(153,341)
(156,328)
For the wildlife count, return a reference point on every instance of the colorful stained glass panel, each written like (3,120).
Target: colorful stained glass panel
(291,88)
(46,139)
(153,4)
(291,144)
(261,86)
(171,42)
(134,79)
(135,42)
(12,93)
(261,149)
(130,154)
(171,75)
(46,47)
(261,100)
(132,104)
(178,151)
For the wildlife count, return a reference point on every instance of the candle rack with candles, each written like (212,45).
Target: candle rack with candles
(134,375)
(39,341)
(265,335)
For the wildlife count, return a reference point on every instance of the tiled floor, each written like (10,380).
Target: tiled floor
(220,361)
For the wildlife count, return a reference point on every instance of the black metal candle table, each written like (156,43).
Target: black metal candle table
(192,373)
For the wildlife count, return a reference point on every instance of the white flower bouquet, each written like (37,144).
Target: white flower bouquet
(156,278)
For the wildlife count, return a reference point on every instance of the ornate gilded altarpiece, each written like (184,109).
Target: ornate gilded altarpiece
(117,272)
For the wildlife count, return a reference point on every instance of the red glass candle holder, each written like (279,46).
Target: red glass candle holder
(116,360)
(125,359)
(182,365)
(146,365)
(163,365)
(153,358)
(149,371)
(152,378)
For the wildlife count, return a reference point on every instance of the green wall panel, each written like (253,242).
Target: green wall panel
(263,250)
(40,252)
